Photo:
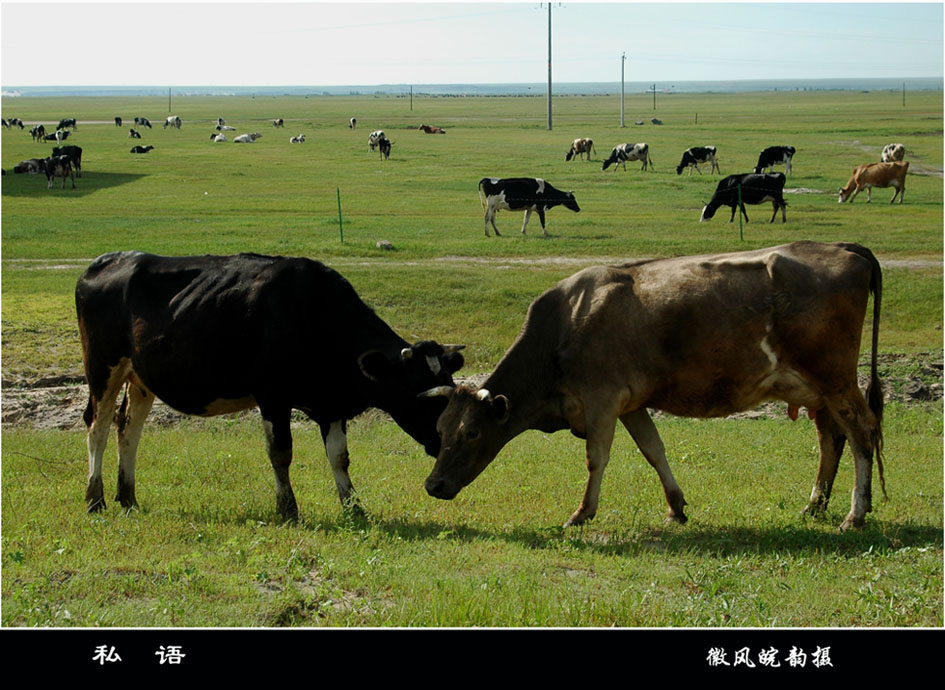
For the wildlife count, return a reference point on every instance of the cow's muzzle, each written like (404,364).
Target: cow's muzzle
(440,488)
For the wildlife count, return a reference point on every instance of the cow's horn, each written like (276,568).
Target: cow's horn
(438,391)
(452,348)
(484,394)
(406,353)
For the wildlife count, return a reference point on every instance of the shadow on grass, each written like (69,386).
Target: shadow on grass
(26,185)
(807,537)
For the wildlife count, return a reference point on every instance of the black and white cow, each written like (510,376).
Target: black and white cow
(142,122)
(628,152)
(172,121)
(59,136)
(38,132)
(217,137)
(383,146)
(775,155)
(141,149)
(31,166)
(751,188)
(300,139)
(58,166)
(67,122)
(374,137)
(215,334)
(522,193)
(353,122)
(698,154)
(134,134)
(247,138)
(16,122)
(278,122)
(74,154)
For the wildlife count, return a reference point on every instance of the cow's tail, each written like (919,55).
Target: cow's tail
(874,391)
(482,199)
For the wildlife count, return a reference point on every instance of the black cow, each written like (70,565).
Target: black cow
(698,154)
(383,145)
(142,122)
(67,122)
(58,166)
(118,122)
(522,193)
(141,149)
(750,188)
(73,153)
(775,155)
(215,334)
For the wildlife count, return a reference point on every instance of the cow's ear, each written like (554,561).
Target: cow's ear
(501,408)
(376,366)
(454,361)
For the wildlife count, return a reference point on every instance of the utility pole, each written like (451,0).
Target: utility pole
(623,59)
(654,96)
(549,66)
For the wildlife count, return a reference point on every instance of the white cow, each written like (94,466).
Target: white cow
(172,121)
(247,138)
(217,137)
(297,140)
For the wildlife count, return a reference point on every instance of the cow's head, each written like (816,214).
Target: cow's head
(402,379)
(570,202)
(473,429)
(708,212)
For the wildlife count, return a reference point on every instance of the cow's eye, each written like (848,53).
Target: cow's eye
(472,434)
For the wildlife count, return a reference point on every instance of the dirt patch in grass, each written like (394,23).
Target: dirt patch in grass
(58,403)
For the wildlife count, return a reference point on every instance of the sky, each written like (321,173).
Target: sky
(361,43)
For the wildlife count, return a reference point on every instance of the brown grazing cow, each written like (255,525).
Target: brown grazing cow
(702,336)
(871,175)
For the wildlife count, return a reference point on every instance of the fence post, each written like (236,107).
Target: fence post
(341,230)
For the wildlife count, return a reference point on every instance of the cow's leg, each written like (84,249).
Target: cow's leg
(600,437)
(647,438)
(528,214)
(860,426)
(98,416)
(831,441)
(279,448)
(134,410)
(869,194)
(336,447)
(541,217)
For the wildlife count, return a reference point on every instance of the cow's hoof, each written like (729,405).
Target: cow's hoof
(96,506)
(852,522)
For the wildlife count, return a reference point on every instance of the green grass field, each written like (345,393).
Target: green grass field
(206,548)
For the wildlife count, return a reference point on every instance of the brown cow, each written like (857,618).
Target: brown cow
(871,175)
(429,129)
(579,147)
(702,336)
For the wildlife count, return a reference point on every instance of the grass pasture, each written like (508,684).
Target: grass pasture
(205,548)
